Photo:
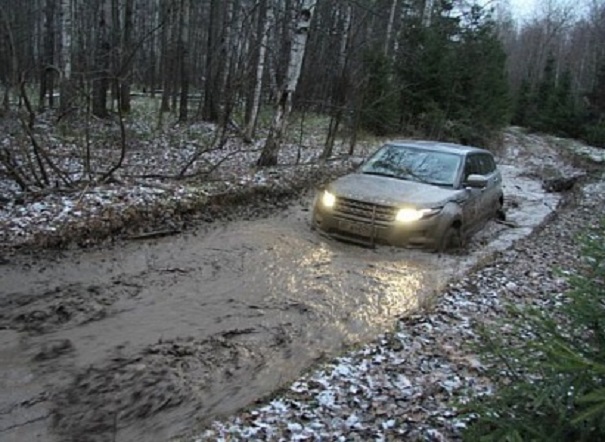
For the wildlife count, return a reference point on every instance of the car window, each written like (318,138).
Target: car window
(414,164)
(489,165)
(481,164)
(472,166)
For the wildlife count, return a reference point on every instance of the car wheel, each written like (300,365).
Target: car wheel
(500,213)
(450,240)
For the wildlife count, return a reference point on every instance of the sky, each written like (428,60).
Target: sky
(522,8)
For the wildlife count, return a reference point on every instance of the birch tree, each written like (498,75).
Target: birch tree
(267,20)
(66,39)
(46,72)
(284,105)
(389,34)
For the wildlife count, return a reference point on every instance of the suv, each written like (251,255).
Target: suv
(423,194)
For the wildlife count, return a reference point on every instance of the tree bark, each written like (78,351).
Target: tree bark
(66,40)
(284,106)
(210,111)
(13,71)
(100,84)
(167,58)
(388,37)
(46,72)
(184,60)
(126,63)
(340,87)
(427,14)
(267,8)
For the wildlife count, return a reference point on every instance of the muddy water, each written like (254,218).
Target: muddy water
(149,340)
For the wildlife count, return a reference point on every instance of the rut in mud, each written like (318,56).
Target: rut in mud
(140,340)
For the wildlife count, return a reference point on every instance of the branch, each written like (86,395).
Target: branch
(12,169)
(116,166)
(39,151)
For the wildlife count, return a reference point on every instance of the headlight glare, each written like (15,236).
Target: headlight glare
(409,215)
(328,199)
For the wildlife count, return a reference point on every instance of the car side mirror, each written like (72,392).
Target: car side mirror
(475,181)
(357,161)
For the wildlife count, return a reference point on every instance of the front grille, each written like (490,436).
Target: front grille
(366,212)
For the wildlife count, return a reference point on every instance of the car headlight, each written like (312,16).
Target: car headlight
(409,215)
(328,199)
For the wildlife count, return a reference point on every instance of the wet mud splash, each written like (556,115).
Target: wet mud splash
(151,340)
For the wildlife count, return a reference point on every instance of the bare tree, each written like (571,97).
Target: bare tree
(101,74)
(125,72)
(284,106)
(184,60)
(13,61)
(210,109)
(340,85)
(167,54)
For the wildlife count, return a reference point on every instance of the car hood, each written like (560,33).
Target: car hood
(392,191)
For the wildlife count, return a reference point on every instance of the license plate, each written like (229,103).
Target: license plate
(356,228)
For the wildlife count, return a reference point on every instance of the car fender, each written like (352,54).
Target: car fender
(451,215)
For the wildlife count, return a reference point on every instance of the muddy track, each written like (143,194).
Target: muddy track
(149,340)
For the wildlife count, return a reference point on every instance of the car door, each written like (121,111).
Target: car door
(471,209)
(491,194)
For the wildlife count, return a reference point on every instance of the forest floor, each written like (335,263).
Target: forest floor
(170,178)
(156,337)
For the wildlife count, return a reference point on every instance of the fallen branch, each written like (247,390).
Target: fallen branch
(507,223)
(155,234)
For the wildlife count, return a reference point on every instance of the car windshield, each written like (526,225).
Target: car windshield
(409,163)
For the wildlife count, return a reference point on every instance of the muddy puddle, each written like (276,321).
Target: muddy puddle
(151,340)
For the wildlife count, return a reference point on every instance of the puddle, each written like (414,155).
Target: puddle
(145,341)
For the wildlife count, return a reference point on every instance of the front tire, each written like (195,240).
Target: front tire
(450,240)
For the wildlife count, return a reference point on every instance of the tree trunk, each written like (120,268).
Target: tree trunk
(167,59)
(427,14)
(340,87)
(260,69)
(227,55)
(66,39)
(46,71)
(284,106)
(184,60)
(388,37)
(100,84)
(126,64)
(210,111)
(13,71)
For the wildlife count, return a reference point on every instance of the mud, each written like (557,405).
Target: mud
(151,340)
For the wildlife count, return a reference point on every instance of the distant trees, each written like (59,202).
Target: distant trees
(447,69)
(446,80)
(554,62)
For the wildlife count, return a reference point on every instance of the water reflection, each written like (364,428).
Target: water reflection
(356,292)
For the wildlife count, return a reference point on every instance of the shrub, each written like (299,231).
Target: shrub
(549,373)
(595,134)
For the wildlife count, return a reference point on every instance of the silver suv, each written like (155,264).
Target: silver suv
(422,194)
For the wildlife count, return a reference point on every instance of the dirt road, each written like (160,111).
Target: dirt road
(149,340)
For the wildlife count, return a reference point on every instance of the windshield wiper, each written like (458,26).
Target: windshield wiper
(371,172)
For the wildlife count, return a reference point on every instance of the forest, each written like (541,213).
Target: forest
(440,69)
